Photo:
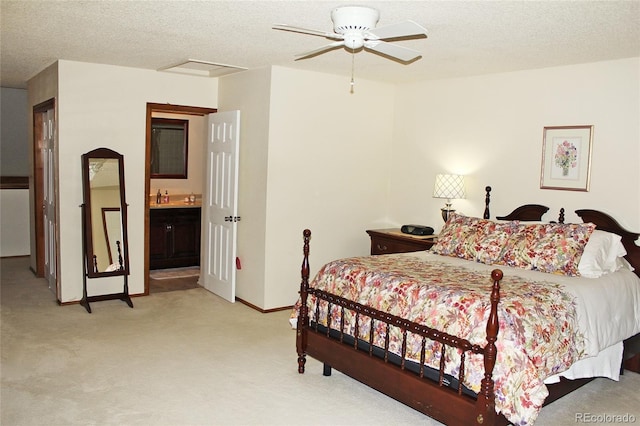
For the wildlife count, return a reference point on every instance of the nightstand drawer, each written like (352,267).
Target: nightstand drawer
(387,241)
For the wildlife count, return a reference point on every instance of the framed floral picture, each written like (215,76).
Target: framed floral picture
(566,158)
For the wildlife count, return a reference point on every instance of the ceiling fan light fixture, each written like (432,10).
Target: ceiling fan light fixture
(354,18)
(355,30)
(353,41)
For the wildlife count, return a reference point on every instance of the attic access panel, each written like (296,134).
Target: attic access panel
(202,68)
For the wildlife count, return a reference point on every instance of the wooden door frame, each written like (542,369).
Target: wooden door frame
(38,184)
(163,108)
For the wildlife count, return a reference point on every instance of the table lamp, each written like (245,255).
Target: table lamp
(449,187)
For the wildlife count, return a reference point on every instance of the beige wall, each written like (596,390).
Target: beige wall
(14,161)
(14,223)
(315,156)
(328,152)
(105,106)
(250,93)
(14,158)
(490,128)
(312,156)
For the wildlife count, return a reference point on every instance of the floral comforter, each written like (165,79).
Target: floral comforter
(538,334)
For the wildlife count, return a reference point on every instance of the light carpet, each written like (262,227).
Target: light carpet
(191,358)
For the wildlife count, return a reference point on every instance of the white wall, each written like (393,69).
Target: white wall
(14,222)
(105,106)
(490,129)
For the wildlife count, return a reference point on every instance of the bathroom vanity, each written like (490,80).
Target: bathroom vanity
(174,235)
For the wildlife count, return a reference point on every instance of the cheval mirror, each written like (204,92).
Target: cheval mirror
(104,223)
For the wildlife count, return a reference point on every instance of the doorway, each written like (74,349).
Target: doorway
(151,109)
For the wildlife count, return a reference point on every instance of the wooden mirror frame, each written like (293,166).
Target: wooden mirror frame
(91,221)
(157,124)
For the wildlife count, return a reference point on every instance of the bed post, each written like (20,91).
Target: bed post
(486,397)
(303,316)
(487,199)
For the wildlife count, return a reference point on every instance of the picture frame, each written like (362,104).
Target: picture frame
(566,157)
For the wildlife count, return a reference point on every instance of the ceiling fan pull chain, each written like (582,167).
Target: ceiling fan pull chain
(353,60)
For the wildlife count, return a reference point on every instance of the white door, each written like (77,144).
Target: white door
(49,207)
(220,205)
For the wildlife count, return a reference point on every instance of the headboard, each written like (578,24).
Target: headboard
(527,212)
(604,222)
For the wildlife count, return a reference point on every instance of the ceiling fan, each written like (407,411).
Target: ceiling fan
(354,29)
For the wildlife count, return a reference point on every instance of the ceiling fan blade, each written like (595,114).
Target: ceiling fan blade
(285,27)
(402,29)
(404,54)
(319,50)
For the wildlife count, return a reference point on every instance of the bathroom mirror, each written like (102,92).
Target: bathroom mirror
(169,148)
(105,214)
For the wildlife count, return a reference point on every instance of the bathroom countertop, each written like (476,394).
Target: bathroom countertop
(176,201)
(175,205)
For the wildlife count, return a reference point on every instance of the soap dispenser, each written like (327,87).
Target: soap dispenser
(159,197)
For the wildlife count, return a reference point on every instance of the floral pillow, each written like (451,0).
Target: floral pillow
(472,238)
(489,240)
(553,247)
(453,236)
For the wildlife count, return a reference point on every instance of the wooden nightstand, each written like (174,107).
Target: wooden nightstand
(387,241)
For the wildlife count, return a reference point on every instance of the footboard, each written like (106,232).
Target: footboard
(396,376)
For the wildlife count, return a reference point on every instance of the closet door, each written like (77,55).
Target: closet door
(50,187)
(45,190)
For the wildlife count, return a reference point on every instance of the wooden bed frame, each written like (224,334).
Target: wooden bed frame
(433,398)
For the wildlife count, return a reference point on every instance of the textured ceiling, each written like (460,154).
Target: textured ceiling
(465,37)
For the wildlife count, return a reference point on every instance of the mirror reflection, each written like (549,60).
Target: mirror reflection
(111,222)
(104,183)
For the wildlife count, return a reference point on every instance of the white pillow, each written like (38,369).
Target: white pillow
(624,264)
(602,254)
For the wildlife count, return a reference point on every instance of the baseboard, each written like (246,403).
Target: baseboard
(264,311)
